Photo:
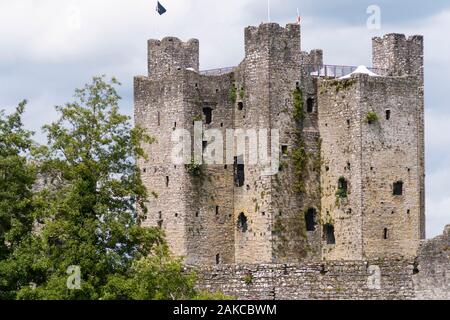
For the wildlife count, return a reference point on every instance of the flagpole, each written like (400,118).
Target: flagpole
(268,10)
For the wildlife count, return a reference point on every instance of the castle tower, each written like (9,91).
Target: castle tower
(274,209)
(160,107)
(350,184)
(193,207)
(171,55)
(373,180)
(405,56)
(398,54)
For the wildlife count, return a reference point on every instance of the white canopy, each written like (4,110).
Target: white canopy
(361,69)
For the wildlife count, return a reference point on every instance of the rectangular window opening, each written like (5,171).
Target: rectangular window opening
(207,112)
(398,188)
(239,171)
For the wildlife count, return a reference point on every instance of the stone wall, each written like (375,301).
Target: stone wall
(391,153)
(311,281)
(432,268)
(371,155)
(401,56)
(340,128)
(427,277)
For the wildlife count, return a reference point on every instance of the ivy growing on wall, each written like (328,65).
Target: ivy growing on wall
(371,117)
(248,279)
(194,168)
(242,93)
(299,114)
(342,84)
(300,159)
(233,94)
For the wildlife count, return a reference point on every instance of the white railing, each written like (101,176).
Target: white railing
(336,71)
(327,70)
(216,72)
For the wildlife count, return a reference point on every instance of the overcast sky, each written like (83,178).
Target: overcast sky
(50,47)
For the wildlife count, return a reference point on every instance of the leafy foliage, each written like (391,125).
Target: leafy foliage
(88,213)
(342,191)
(194,168)
(242,93)
(17,177)
(371,117)
(298,105)
(233,94)
(300,159)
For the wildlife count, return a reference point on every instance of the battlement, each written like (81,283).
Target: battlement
(269,38)
(171,54)
(399,54)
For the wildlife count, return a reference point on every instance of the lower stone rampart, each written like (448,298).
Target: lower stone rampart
(427,277)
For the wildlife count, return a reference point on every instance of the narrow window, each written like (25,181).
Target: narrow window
(388,114)
(239,171)
(240,106)
(242,223)
(144,170)
(159,119)
(385,234)
(217,210)
(284,149)
(204,145)
(160,220)
(218,258)
(398,188)
(207,111)
(328,231)
(310,105)
(167,181)
(342,188)
(342,184)
(310,219)
(174,124)
(197,214)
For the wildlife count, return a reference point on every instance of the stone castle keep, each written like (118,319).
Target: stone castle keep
(350,186)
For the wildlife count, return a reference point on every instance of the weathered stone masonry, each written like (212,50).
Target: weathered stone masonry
(427,277)
(351,181)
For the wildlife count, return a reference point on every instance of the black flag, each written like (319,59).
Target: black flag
(160,9)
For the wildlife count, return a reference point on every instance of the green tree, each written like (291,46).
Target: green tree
(88,206)
(90,211)
(17,177)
